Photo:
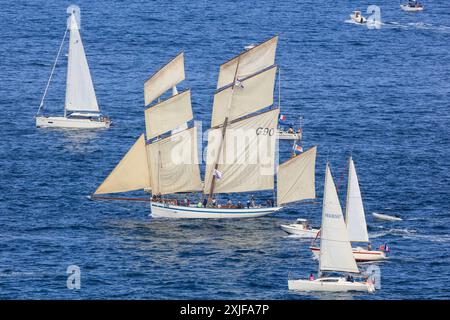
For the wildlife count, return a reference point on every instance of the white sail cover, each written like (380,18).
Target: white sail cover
(132,172)
(164,79)
(174,164)
(246,156)
(250,62)
(80,94)
(356,220)
(168,114)
(296,178)
(335,249)
(249,95)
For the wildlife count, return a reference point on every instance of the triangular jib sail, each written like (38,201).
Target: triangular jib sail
(296,178)
(132,172)
(335,249)
(355,217)
(80,94)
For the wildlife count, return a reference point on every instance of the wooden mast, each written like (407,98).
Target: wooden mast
(224,128)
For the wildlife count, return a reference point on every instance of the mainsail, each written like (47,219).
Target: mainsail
(80,94)
(335,249)
(248,95)
(248,62)
(355,218)
(246,84)
(174,165)
(132,172)
(296,178)
(168,114)
(165,78)
(246,156)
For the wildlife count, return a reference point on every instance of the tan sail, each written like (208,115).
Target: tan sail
(248,96)
(296,178)
(250,62)
(168,114)
(164,79)
(246,162)
(132,172)
(174,164)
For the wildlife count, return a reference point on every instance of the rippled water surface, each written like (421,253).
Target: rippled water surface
(381,95)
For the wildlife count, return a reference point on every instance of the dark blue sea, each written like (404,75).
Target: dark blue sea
(382,95)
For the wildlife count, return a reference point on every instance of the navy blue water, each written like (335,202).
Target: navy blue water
(382,95)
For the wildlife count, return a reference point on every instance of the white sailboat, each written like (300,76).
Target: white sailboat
(81,109)
(356,221)
(336,252)
(239,126)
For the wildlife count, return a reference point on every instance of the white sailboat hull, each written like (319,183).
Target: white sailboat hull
(359,254)
(75,123)
(161,210)
(407,8)
(299,230)
(385,217)
(336,284)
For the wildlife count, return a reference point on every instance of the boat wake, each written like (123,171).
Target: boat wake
(405,26)
(417,25)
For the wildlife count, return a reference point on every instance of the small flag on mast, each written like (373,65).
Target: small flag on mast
(282,117)
(297,149)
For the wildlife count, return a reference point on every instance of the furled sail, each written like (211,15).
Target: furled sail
(356,220)
(335,249)
(164,79)
(132,172)
(248,95)
(246,155)
(174,164)
(80,94)
(168,114)
(296,178)
(250,62)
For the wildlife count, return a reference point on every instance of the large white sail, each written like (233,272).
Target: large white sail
(246,155)
(355,217)
(174,165)
(132,172)
(335,249)
(164,79)
(248,62)
(249,95)
(80,94)
(168,114)
(296,178)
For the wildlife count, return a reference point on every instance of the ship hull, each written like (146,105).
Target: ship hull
(162,210)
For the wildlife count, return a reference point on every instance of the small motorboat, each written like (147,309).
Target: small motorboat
(301,228)
(412,6)
(357,17)
(287,135)
(386,217)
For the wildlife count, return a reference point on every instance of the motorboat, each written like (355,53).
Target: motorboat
(386,217)
(357,17)
(412,6)
(288,135)
(300,228)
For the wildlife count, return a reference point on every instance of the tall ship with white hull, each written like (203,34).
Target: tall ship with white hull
(241,150)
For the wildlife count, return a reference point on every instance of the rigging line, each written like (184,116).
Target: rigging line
(51,73)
